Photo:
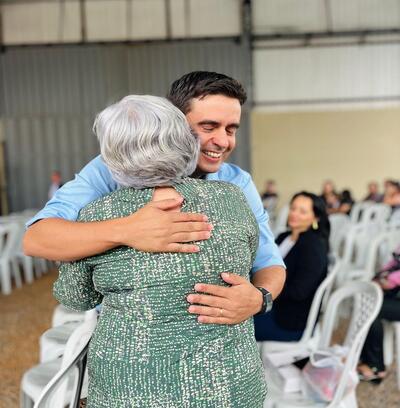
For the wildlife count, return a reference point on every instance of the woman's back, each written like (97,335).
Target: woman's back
(147,347)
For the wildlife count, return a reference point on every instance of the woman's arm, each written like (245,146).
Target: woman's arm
(74,287)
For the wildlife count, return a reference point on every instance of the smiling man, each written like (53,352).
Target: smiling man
(212,105)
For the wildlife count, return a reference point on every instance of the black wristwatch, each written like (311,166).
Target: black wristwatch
(267,301)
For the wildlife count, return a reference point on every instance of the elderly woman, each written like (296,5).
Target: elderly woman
(147,350)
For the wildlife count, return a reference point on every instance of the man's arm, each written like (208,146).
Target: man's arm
(54,234)
(239,301)
(150,229)
(242,300)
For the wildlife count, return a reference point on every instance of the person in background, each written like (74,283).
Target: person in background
(346,202)
(372,366)
(373,193)
(392,194)
(270,198)
(56,183)
(330,197)
(305,251)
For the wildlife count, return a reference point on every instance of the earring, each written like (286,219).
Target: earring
(315,225)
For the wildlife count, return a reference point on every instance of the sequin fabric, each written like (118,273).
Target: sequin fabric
(147,350)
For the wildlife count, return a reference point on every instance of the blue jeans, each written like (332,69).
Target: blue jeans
(266,329)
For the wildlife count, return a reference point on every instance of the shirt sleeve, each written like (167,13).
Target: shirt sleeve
(92,182)
(267,253)
(74,287)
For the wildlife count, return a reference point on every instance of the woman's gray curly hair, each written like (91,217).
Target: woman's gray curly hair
(145,141)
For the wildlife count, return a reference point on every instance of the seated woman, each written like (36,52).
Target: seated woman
(147,350)
(392,194)
(305,252)
(372,366)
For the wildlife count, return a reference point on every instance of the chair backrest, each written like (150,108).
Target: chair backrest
(366,300)
(340,224)
(358,209)
(357,244)
(320,297)
(378,213)
(8,238)
(57,391)
(380,251)
(281,221)
(395,217)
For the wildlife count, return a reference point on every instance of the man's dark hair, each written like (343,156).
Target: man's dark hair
(198,84)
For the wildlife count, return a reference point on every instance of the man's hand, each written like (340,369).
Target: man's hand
(155,229)
(225,305)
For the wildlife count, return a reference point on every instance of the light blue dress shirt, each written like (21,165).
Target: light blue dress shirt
(95,181)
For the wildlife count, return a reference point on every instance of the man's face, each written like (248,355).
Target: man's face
(215,119)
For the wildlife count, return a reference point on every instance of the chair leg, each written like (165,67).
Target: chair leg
(25,401)
(350,401)
(37,268)
(397,331)
(5,278)
(388,345)
(28,269)
(43,265)
(16,272)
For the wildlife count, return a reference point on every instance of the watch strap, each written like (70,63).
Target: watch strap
(267,301)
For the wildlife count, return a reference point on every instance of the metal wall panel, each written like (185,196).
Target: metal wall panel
(327,74)
(50,95)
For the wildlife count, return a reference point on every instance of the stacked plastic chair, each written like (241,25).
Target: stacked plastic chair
(55,384)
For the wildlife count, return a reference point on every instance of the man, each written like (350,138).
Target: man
(212,105)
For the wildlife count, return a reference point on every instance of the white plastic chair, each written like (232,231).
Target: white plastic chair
(54,384)
(358,209)
(379,252)
(53,341)
(8,238)
(281,221)
(357,244)
(395,217)
(340,224)
(396,327)
(63,315)
(311,332)
(366,298)
(379,213)
(391,346)
(17,254)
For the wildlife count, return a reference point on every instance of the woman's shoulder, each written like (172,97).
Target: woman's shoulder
(312,241)
(214,189)
(225,186)
(282,236)
(119,203)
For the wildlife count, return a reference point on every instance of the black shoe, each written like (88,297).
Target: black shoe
(373,379)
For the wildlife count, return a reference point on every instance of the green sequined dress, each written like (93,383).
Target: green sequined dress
(147,351)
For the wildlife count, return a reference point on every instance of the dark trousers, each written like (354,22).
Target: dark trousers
(266,329)
(372,353)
